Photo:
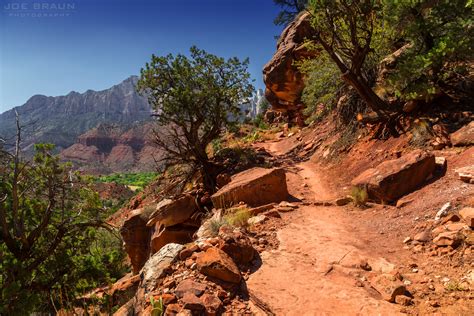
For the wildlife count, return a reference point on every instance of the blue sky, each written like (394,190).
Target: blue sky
(95,44)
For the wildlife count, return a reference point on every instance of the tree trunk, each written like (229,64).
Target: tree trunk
(209,176)
(366,93)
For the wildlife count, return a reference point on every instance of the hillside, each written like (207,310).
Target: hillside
(61,120)
(114,148)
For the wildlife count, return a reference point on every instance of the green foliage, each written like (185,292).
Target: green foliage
(141,179)
(290,9)
(157,307)
(194,99)
(252,137)
(440,34)
(359,195)
(323,84)
(53,247)
(238,217)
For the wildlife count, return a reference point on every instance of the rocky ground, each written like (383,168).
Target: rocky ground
(307,243)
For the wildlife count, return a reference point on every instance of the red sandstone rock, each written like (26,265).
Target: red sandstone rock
(217,264)
(189,286)
(394,178)
(284,83)
(136,237)
(463,136)
(256,186)
(467,215)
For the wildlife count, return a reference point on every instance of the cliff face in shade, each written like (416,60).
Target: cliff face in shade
(284,83)
(60,120)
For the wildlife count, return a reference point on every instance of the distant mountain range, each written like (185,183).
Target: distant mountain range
(61,120)
(99,131)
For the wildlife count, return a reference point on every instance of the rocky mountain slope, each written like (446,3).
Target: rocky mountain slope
(110,148)
(60,120)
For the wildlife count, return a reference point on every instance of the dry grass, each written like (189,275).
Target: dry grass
(359,196)
(238,217)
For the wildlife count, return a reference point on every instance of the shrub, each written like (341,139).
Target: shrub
(359,195)
(238,217)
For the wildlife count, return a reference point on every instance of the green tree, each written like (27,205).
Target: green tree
(439,37)
(345,30)
(195,99)
(290,9)
(49,224)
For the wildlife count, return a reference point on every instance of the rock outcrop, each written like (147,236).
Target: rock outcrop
(394,178)
(284,83)
(146,230)
(463,136)
(154,270)
(255,187)
(136,237)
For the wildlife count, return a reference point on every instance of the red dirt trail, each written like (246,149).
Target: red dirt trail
(314,271)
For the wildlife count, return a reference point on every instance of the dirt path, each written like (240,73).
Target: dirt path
(315,269)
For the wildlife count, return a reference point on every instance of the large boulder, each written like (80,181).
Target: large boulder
(217,264)
(463,136)
(284,83)
(136,236)
(236,244)
(466,174)
(172,212)
(394,178)
(256,186)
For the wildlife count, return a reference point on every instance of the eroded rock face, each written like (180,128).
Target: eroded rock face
(172,212)
(395,178)
(255,187)
(136,236)
(148,229)
(284,83)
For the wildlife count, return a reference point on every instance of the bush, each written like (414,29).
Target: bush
(359,196)
(323,86)
(238,217)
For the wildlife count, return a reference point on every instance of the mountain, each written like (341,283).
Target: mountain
(61,120)
(110,148)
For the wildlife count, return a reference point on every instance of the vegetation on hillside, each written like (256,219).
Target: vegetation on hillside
(431,42)
(194,100)
(139,179)
(55,245)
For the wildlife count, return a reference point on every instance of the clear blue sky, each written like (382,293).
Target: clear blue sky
(98,43)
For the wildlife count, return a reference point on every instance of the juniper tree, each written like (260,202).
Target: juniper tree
(194,99)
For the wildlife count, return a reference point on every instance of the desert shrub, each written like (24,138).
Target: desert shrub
(238,217)
(359,195)
(322,88)
(215,224)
